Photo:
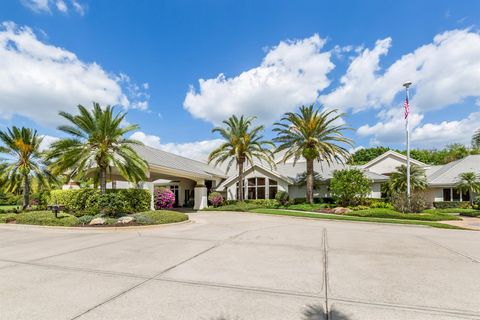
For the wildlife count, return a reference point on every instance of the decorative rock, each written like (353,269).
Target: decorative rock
(341,210)
(126,219)
(97,221)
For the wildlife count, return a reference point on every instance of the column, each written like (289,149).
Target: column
(151,188)
(201,200)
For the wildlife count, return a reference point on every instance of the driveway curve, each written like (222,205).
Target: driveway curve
(240,266)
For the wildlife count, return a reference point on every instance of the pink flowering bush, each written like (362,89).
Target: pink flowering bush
(215,199)
(164,199)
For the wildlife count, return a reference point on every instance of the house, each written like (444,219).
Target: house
(192,180)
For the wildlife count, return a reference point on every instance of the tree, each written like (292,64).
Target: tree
(301,180)
(24,162)
(398,180)
(468,182)
(97,144)
(242,142)
(350,186)
(365,155)
(313,135)
(476,139)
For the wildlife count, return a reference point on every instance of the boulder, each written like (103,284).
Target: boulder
(126,219)
(97,221)
(341,210)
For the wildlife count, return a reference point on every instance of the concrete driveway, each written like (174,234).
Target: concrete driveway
(234,266)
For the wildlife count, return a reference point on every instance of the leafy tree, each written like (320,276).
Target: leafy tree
(398,180)
(24,163)
(365,155)
(301,180)
(350,187)
(242,143)
(98,143)
(468,181)
(313,135)
(476,139)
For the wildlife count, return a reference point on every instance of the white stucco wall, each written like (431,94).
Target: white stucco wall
(376,191)
(386,165)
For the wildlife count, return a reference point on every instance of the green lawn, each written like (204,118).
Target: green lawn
(8,207)
(47,218)
(458,211)
(392,214)
(283,212)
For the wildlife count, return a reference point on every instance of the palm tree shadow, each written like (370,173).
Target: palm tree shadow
(317,312)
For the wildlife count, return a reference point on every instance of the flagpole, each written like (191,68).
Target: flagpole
(407,129)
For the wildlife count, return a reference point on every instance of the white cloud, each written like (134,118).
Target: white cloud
(38,80)
(47,141)
(444,72)
(198,150)
(291,74)
(447,132)
(61,6)
(46,6)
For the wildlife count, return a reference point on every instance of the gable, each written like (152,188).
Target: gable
(388,163)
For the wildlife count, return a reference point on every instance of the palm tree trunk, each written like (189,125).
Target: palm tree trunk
(26,192)
(309,181)
(103,180)
(240,179)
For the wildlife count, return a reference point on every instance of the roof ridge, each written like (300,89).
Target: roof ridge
(177,155)
(453,165)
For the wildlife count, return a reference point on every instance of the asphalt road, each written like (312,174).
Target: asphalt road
(233,266)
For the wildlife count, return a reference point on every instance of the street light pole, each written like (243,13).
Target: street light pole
(407,128)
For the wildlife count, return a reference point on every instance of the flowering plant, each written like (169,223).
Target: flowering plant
(164,198)
(215,199)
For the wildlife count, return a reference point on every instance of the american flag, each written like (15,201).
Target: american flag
(407,107)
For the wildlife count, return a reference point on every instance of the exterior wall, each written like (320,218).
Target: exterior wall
(232,187)
(387,165)
(323,192)
(433,194)
(376,191)
(182,186)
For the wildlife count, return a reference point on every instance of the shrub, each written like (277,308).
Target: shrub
(46,218)
(417,202)
(109,204)
(349,187)
(215,199)
(265,203)
(85,219)
(282,197)
(380,205)
(164,198)
(86,201)
(141,219)
(164,216)
(451,204)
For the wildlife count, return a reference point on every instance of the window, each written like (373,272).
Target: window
(456,195)
(447,195)
(273,188)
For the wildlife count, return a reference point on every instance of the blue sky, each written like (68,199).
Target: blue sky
(274,55)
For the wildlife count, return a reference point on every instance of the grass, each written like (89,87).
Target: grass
(460,211)
(44,218)
(283,212)
(9,207)
(240,206)
(308,206)
(47,218)
(392,214)
(164,216)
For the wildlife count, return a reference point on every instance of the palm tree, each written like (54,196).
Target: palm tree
(23,163)
(398,180)
(313,135)
(468,182)
(476,139)
(98,143)
(242,143)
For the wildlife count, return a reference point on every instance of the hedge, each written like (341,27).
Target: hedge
(451,204)
(90,201)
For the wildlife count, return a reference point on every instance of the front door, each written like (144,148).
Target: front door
(174,189)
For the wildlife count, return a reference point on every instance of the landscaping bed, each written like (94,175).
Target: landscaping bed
(47,218)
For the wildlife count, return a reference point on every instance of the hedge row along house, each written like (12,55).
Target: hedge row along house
(192,180)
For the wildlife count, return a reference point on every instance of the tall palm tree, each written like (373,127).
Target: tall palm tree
(24,161)
(98,143)
(313,135)
(468,181)
(398,179)
(476,139)
(242,143)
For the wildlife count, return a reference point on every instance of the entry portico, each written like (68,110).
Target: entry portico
(189,179)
